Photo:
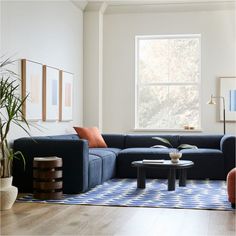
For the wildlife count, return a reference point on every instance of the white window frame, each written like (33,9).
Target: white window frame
(137,39)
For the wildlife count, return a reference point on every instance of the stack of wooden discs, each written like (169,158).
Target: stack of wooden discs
(47,174)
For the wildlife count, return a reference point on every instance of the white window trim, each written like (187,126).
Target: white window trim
(168,130)
(137,38)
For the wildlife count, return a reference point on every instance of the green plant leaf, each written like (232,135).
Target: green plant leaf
(187,146)
(11,104)
(163,140)
(22,127)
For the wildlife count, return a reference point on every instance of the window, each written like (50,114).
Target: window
(167,82)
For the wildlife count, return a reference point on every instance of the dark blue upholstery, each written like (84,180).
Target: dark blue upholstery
(108,158)
(208,163)
(75,160)
(94,171)
(127,156)
(202,141)
(116,151)
(139,140)
(84,168)
(203,160)
(66,136)
(114,140)
(227,146)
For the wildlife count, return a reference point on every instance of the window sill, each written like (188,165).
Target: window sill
(168,130)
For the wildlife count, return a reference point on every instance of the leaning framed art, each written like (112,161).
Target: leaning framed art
(66,96)
(50,93)
(228,91)
(32,78)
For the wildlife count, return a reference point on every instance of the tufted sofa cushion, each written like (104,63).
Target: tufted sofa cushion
(108,161)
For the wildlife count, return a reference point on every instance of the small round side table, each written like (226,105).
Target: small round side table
(47,174)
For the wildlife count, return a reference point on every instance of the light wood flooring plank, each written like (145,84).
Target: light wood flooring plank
(56,219)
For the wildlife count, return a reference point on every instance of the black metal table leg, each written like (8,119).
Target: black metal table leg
(171,180)
(182,177)
(141,177)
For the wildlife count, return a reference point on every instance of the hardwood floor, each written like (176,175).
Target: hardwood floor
(52,219)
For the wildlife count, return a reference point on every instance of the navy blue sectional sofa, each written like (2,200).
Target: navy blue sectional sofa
(84,168)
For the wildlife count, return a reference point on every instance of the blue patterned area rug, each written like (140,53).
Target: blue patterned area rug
(198,194)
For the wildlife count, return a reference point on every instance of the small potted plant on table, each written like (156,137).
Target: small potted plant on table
(175,155)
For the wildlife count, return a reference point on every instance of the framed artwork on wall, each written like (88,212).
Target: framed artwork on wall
(66,96)
(228,91)
(32,82)
(51,77)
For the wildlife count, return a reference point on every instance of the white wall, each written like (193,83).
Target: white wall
(50,32)
(217,28)
(93,58)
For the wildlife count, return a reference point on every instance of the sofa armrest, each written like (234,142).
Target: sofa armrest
(74,154)
(227,146)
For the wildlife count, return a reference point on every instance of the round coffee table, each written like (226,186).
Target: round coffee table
(166,164)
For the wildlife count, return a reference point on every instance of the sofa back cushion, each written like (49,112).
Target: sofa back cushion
(201,141)
(140,140)
(114,140)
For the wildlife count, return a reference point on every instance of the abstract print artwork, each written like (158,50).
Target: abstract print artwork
(32,78)
(228,91)
(50,93)
(66,96)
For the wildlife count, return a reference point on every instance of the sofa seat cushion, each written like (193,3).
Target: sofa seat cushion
(108,158)
(205,152)
(127,156)
(94,171)
(204,159)
(104,151)
(144,153)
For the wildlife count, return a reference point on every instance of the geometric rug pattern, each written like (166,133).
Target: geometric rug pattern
(198,194)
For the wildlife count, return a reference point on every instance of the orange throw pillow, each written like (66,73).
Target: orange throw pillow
(93,136)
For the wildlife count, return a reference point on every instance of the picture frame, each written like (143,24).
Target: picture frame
(66,96)
(228,92)
(32,87)
(51,77)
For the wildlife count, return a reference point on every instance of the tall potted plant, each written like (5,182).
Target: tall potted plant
(10,113)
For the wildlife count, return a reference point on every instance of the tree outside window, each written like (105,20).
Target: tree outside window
(168,82)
